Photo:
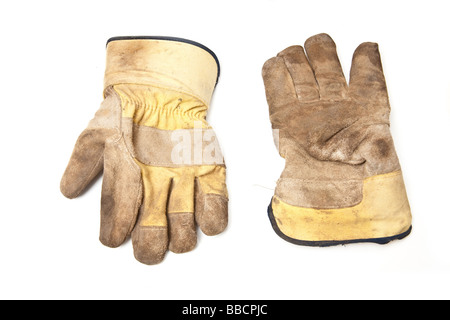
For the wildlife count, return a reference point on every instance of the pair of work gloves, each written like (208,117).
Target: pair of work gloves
(164,173)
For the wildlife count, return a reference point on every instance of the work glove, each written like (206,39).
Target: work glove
(342,181)
(163,171)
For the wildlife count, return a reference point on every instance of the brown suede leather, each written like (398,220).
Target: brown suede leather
(332,135)
(183,233)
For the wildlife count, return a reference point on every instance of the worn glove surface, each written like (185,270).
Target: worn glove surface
(342,180)
(163,171)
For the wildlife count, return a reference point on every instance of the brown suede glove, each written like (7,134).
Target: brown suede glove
(163,171)
(342,181)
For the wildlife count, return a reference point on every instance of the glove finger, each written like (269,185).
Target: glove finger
(182,231)
(366,76)
(150,235)
(150,243)
(211,200)
(121,194)
(280,90)
(86,161)
(324,60)
(301,72)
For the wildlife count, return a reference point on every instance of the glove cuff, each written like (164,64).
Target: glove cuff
(383,214)
(170,63)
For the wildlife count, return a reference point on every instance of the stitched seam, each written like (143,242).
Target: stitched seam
(153,227)
(292,78)
(179,212)
(216,195)
(137,205)
(376,177)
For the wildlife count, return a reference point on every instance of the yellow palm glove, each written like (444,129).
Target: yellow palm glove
(163,169)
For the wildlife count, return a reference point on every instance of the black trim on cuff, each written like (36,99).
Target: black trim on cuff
(330,242)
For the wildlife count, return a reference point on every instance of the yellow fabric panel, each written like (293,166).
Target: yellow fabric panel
(171,190)
(383,212)
(161,108)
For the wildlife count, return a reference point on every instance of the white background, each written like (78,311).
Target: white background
(52,57)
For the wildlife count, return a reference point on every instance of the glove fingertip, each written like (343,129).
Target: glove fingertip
(68,188)
(212,216)
(150,244)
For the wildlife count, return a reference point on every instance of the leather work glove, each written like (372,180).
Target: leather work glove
(342,181)
(163,171)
